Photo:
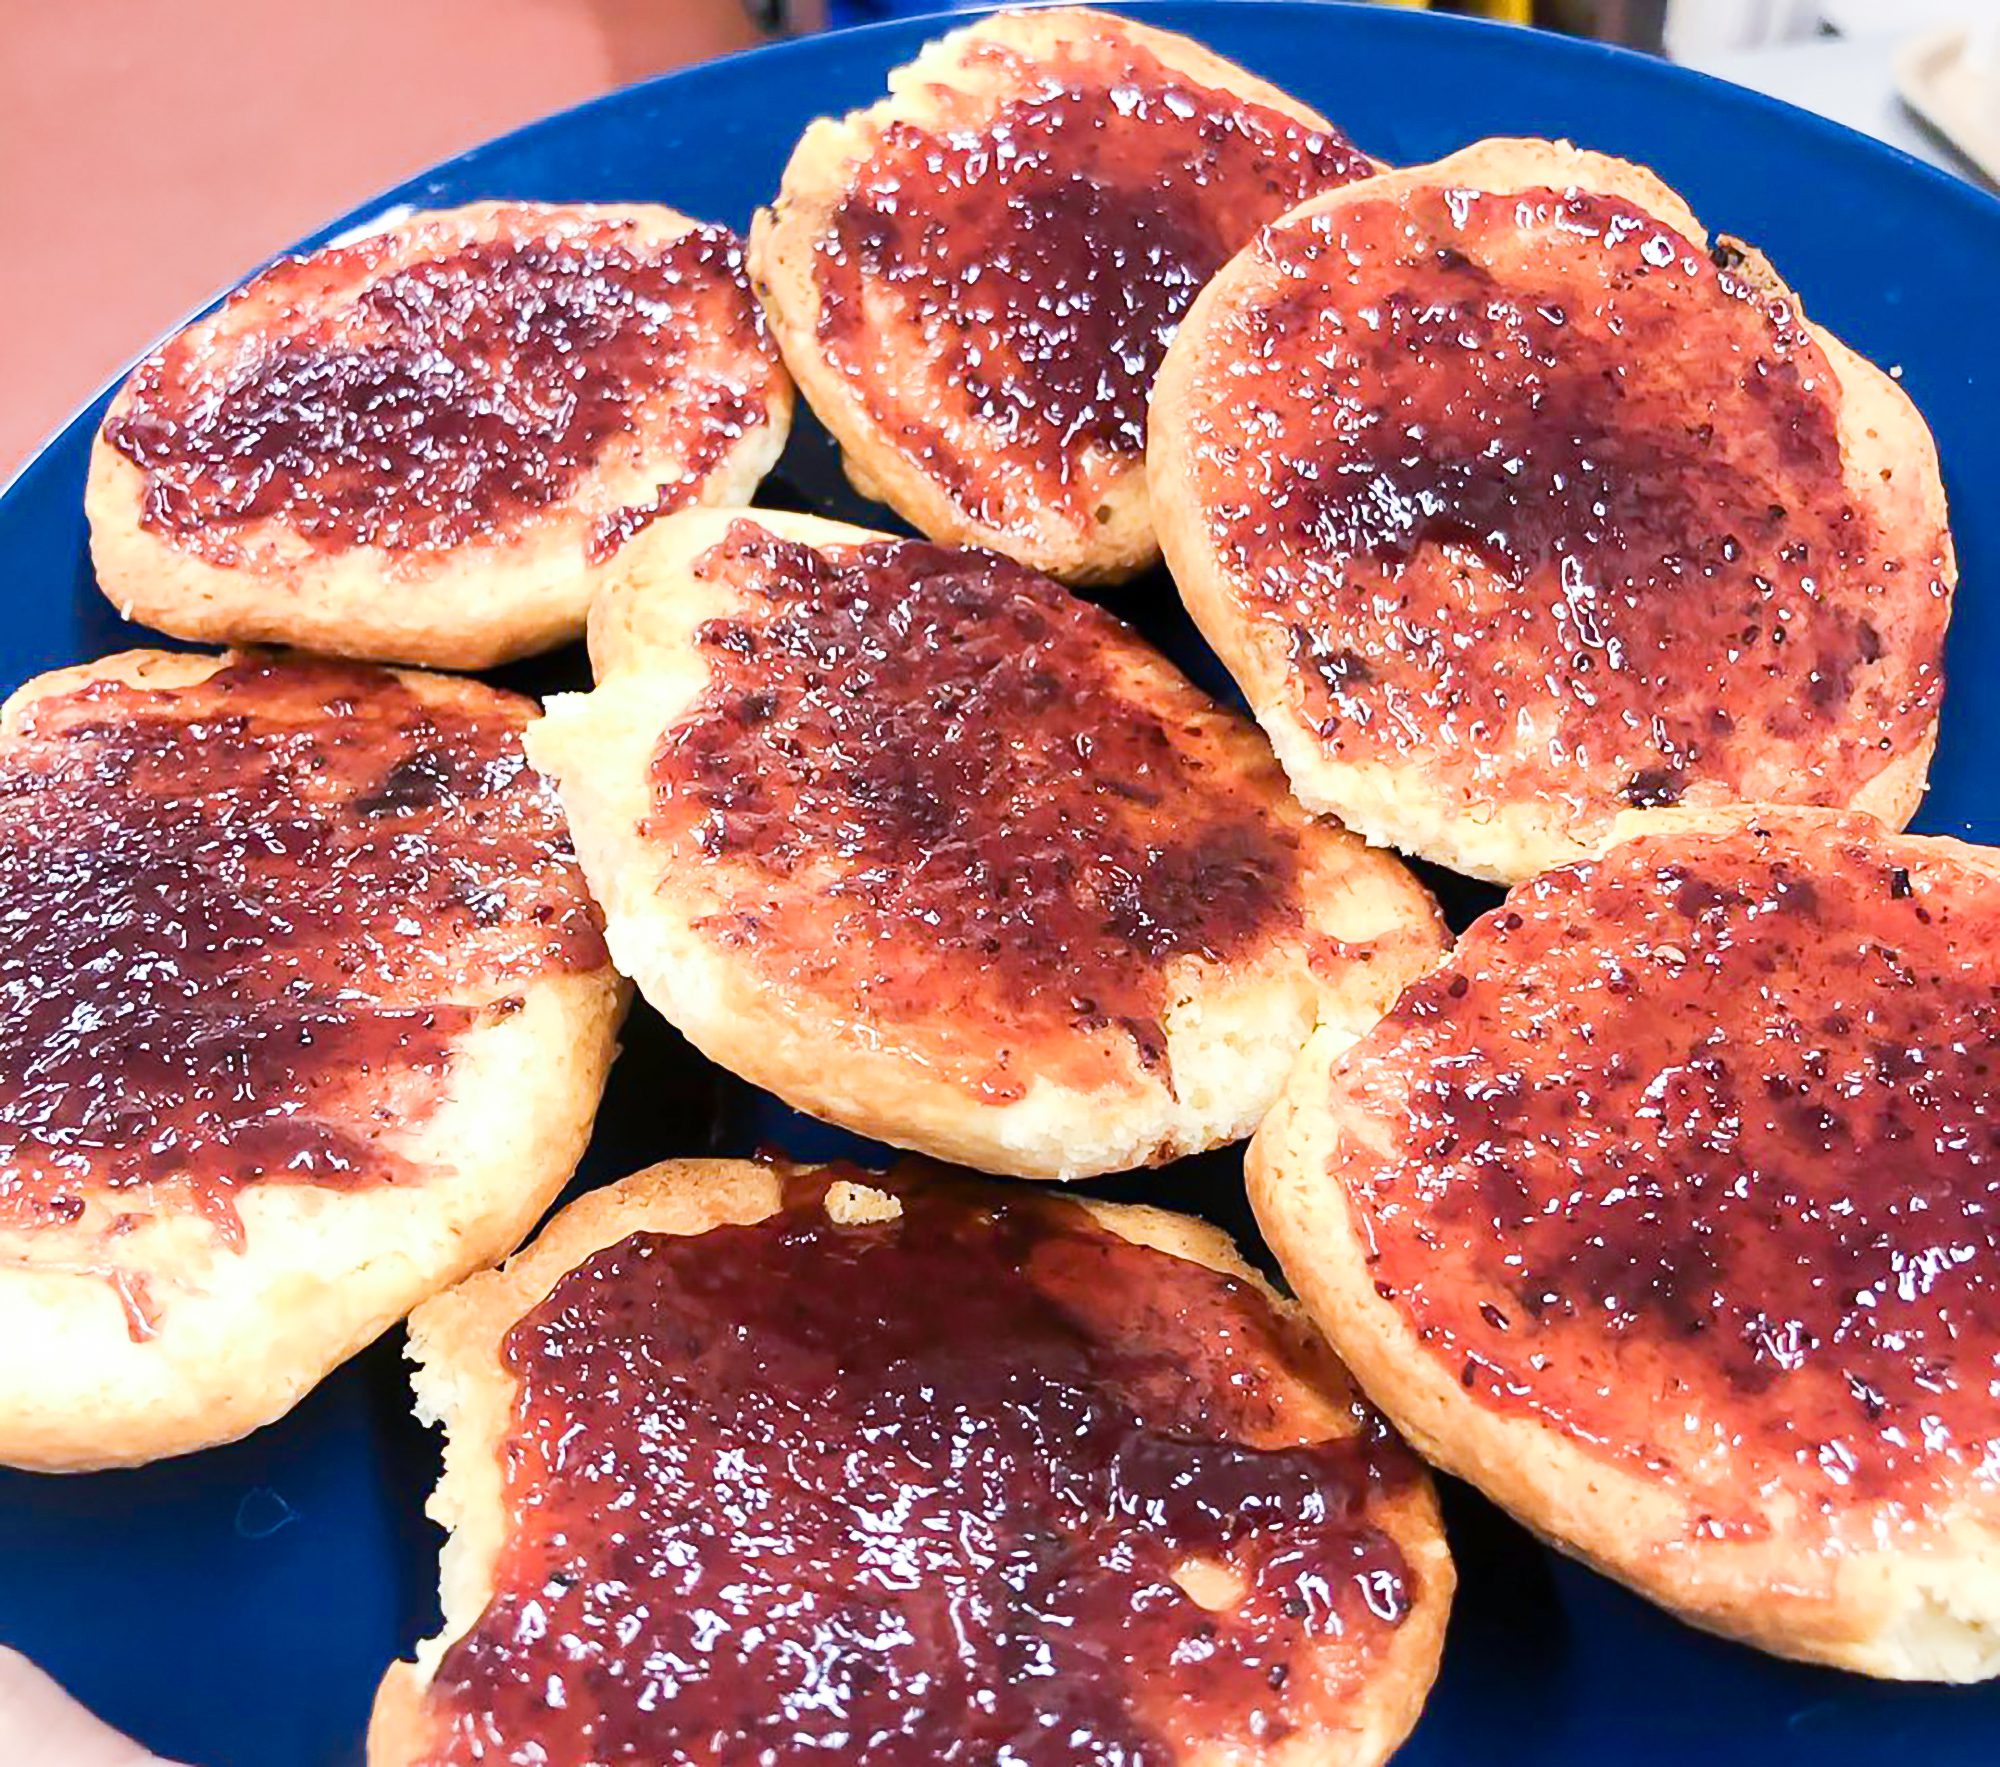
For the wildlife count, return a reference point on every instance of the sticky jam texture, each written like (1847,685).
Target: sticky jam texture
(999,290)
(938,801)
(1701,1163)
(243,923)
(916,1492)
(1544,493)
(359,400)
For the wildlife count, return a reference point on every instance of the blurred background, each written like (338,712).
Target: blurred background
(152,151)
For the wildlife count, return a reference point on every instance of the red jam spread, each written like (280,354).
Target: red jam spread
(243,923)
(917,1491)
(1700,1161)
(999,288)
(1547,495)
(365,397)
(939,801)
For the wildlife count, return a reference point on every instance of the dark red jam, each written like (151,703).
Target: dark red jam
(358,397)
(1000,288)
(940,801)
(242,925)
(1545,493)
(917,1491)
(1701,1162)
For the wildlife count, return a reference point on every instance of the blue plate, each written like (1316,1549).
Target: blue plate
(236,1609)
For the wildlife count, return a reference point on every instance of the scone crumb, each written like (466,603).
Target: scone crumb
(852,1205)
(1211,1584)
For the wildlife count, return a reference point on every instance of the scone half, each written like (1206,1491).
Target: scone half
(307,1013)
(1662,1212)
(1056,1477)
(934,850)
(421,445)
(973,280)
(1513,501)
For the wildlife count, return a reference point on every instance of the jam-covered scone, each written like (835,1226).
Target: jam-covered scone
(1513,501)
(1667,1210)
(754,1463)
(931,848)
(421,446)
(306,1014)
(974,280)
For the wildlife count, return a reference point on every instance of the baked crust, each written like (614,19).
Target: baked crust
(1231,1028)
(1108,535)
(1908,1598)
(462,1383)
(1404,804)
(489,600)
(244,1332)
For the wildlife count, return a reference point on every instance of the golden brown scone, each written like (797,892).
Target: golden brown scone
(422,445)
(915,839)
(1512,502)
(1664,1212)
(1061,1476)
(973,280)
(304,1014)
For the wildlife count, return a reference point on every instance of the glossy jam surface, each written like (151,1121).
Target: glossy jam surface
(999,288)
(1542,492)
(917,1491)
(937,801)
(362,398)
(242,925)
(1701,1162)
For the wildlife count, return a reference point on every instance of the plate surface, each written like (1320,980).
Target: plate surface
(236,1609)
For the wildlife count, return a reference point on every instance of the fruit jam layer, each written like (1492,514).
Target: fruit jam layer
(1698,1160)
(918,1490)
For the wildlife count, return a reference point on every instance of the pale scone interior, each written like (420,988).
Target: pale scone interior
(1515,501)
(1661,1211)
(1108,1497)
(974,279)
(307,1012)
(918,841)
(420,446)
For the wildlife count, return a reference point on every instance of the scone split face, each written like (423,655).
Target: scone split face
(922,843)
(1665,1210)
(975,280)
(266,920)
(503,393)
(909,1470)
(1514,504)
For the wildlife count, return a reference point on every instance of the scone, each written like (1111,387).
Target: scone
(755,1463)
(304,1014)
(1513,502)
(932,849)
(1665,1212)
(974,279)
(421,446)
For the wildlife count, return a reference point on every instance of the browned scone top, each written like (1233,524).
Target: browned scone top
(1513,501)
(974,279)
(304,1012)
(1051,1481)
(1667,1210)
(921,842)
(421,445)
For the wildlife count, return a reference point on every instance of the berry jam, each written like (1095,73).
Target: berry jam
(1699,1161)
(244,923)
(999,289)
(937,798)
(358,397)
(919,1490)
(1546,496)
